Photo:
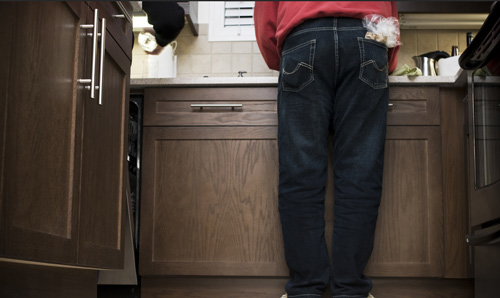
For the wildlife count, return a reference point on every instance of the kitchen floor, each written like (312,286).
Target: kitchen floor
(383,288)
(113,291)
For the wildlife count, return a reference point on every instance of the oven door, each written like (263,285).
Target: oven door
(484,181)
(484,150)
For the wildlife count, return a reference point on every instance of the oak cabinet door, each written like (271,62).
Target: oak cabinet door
(210,202)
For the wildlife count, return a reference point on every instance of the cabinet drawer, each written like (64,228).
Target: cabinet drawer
(210,106)
(413,106)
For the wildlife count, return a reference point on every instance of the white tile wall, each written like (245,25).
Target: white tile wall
(197,57)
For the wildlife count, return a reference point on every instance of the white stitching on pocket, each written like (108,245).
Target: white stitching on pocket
(371,66)
(288,77)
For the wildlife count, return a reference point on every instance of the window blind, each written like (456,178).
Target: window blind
(238,13)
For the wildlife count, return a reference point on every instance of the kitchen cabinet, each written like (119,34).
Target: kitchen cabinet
(210,176)
(210,183)
(409,235)
(423,214)
(63,153)
(444,7)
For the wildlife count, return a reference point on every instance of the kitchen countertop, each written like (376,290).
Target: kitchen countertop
(459,79)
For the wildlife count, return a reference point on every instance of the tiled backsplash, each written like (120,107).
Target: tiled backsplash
(197,57)
(417,42)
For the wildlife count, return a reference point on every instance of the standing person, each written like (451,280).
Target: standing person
(332,78)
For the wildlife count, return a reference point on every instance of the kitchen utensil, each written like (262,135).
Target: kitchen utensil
(427,62)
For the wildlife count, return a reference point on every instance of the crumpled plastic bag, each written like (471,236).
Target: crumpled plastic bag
(405,70)
(384,30)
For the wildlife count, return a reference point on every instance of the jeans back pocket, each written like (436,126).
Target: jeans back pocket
(297,66)
(373,68)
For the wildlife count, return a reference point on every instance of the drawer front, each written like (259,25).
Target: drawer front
(251,106)
(413,106)
(248,106)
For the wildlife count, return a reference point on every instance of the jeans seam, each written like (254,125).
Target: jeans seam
(302,295)
(326,29)
(350,28)
(310,30)
(337,62)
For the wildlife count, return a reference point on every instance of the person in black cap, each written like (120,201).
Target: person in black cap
(167,19)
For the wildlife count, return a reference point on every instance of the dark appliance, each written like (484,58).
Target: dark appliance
(134,159)
(125,283)
(481,60)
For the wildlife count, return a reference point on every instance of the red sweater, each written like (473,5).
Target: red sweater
(275,19)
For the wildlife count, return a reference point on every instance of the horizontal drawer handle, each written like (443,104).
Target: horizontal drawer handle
(216,105)
(390,105)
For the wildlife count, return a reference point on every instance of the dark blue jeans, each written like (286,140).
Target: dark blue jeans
(331,79)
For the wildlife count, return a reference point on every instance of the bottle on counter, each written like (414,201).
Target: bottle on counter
(469,38)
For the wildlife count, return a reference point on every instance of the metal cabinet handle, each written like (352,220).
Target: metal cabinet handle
(125,14)
(95,30)
(103,53)
(95,35)
(390,105)
(216,105)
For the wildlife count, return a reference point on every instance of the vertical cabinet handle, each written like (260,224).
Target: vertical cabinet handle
(95,27)
(103,53)
(95,35)
(94,52)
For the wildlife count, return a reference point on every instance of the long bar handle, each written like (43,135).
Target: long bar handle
(94,52)
(95,30)
(472,113)
(103,53)
(492,238)
(216,105)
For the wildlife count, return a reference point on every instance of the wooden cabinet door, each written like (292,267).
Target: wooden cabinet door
(42,105)
(209,202)
(102,203)
(409,237)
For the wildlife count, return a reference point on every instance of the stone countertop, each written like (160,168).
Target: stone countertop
(459,79)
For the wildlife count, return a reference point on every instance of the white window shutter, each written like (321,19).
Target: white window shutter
(232,21)
(238,13)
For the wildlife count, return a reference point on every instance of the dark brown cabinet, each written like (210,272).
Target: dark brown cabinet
(63,154)
(444,6)
(103,158)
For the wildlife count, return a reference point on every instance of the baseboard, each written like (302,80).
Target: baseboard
(240,287)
